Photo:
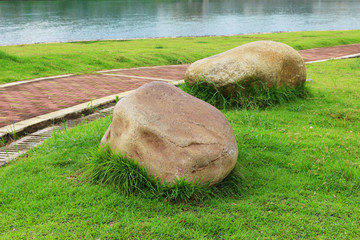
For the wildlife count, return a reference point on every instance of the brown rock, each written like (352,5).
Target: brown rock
(173,134)
(274,64)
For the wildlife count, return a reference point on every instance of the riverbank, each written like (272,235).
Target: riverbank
(23,62)
(300,178)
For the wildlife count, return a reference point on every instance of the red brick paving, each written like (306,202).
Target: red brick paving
(27,100)
(329,52)
(175,72)
(32,99)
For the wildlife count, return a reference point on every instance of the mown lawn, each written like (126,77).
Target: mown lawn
(38,60)
(300,164)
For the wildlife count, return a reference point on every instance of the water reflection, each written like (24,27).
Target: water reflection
(66,20)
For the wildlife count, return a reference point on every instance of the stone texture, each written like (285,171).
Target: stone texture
(173,134)
(274,64)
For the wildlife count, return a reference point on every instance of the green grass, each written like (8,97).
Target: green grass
(299,163)
(127,177)
(256,96)
(38,60)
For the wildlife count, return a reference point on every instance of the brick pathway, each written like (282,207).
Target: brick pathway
(32,99)
(316,54)
(27,100)
(174,72)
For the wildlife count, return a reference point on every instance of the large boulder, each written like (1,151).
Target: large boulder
(266,63)
(173,134)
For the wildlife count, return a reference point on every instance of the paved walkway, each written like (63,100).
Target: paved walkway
(317,54)
(34,98)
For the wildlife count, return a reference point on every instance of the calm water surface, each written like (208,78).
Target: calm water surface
(67,20)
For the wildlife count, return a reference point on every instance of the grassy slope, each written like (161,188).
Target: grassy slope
(38,60)
(300,162)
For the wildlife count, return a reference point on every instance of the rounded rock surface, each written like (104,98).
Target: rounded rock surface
(173,134)
(274,64)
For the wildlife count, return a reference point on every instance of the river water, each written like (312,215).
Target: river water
(68,20)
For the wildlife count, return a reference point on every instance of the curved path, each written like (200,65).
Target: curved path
(29,99)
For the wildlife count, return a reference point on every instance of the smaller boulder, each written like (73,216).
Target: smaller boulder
(266,63)
(173,134)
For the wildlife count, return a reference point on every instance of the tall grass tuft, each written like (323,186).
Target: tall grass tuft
(118,171)
(126,176)
(255,96)
(185,191)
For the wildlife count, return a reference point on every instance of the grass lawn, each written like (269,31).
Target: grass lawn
(38,60)
(300,163)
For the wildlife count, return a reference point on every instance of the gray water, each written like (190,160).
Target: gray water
(68,20)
